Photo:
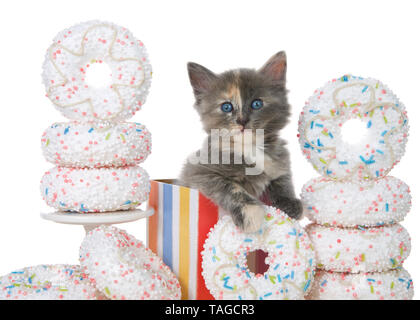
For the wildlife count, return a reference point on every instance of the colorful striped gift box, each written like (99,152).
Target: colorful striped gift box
(177,231)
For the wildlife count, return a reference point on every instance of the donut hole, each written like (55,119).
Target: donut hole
(98,75)
(256,261)
(354,131)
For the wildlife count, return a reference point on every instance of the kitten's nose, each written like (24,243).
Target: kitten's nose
(241,121)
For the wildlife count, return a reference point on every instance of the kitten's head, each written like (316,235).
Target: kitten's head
(243,98)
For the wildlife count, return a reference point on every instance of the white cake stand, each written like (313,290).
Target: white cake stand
(92,220)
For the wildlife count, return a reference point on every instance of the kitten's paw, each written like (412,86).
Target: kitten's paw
(292,207)
(253,217)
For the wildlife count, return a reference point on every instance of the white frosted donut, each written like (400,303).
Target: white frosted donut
(95,190)
(123,268)
(390,285)
(359,250)
(47,282)
(349,204)
(80,144)
(290,259)
(327,112)
(85,46)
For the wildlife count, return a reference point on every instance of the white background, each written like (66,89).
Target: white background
(323,40)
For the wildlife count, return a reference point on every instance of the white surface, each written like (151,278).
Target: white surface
(88,219)
(323,40)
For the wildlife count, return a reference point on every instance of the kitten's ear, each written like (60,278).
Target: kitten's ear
(275,68)
(201,78)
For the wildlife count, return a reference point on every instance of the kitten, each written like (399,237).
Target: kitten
(236,101)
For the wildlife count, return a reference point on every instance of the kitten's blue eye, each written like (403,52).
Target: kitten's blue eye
(226,107)
(257,104)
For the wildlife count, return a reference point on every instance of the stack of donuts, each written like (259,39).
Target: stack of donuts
(97,153)
(113,265)
(96,156)
(355,206)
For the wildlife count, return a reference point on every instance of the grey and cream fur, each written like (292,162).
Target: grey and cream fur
(227,184)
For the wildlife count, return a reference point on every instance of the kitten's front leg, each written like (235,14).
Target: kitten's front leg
(247,212)
(282,196)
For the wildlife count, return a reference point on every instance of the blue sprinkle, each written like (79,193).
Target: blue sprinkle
(279,278)
(371,280)
(369,161)
(66,130)
(344,78)
(292,275)
(239,297)
(286,277)
(310,262)
(384,133)
(379,151)
(328,171)
(90,130)
(268,294)
(279,246)
(369,124)
(307,145)
(275,268)
(324,283)
(248,240)
(312,125)
(319,125)
(247,274)
(139,130)
(381,141)
(307,285)
(330,134)
(364,89)
(343,162)
(127,202)
(314,111)
(319,143)
(377,173)
(386,207)
(46,191)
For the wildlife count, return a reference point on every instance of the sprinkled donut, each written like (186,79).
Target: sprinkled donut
(47,282)
(349,204)
(95,190)
(343,99)
(89,144)
(390,285)
(123,268)
(84,46)
(290,259)
(359,250)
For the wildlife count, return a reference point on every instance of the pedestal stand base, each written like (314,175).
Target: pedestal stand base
(92,220)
